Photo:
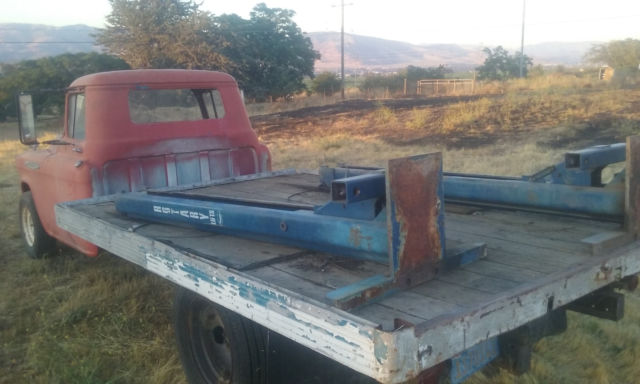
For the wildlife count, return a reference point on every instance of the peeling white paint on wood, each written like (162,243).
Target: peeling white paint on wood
(334,333)
(355,341)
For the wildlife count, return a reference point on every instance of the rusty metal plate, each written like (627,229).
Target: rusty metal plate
(415,217)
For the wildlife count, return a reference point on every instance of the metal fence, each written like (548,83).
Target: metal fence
(437,87)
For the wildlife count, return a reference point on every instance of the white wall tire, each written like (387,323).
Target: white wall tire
(37,242)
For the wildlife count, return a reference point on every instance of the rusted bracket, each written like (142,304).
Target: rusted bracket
(415,218)
(415,231)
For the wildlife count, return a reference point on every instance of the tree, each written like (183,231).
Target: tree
(267,54)
(270,53)
(619,54)
(326,83)
(413,73)
(499,65)
(55,72)
(395,82)
(162,34)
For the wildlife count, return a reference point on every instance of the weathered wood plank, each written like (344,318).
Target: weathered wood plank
(495,230)
(282,189)
(477,281)
(544,265)
(309,276)
(408,303)
(503,271)
(533,222)
(512,308)
(452,293)
(386,317)
(331,271)
(524,251)
(605,241)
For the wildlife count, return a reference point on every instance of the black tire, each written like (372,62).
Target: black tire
(37,242)
(217,345)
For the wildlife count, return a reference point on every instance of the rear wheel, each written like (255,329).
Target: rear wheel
(38,243)
(217,345)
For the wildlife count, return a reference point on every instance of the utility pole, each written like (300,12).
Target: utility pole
(342,51)
(524,3)
(342,4)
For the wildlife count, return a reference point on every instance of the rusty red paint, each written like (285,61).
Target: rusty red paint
(433,375)
(115,150)
(413,186)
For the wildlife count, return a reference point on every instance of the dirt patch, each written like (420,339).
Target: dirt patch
(603,130)
(356,105)
(351,117)
(557,121)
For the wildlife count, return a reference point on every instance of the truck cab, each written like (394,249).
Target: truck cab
(129,131)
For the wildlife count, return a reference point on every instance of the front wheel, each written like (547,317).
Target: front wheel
(36,240)
(217,345)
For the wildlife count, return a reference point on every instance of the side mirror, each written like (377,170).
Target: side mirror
(26,120)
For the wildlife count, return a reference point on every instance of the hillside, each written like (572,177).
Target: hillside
(364,52)
(32,41)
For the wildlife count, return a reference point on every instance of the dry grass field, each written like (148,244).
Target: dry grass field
(72,319)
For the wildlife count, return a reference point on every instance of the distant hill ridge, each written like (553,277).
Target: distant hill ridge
(32,41)
(365,52)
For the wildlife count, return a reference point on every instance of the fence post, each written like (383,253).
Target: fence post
(473,83)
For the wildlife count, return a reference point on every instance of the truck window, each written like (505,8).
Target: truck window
(75,116)
(165,105)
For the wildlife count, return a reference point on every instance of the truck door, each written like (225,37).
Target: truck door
(71,173)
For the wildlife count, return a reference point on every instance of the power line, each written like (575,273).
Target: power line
(47,42)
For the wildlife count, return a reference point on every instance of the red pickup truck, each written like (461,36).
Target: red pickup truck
(129,131)
(517,254)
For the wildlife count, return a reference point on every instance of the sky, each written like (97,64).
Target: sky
(473,22)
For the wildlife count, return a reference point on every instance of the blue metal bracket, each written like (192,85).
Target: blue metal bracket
(357,197)
(582,167)
(571,187)
(473,359)
(379,286)
(415,228)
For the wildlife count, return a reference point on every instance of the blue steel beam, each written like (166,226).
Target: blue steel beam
(595,157)
(358,188)
(518,193)
(359,238)
(556,197)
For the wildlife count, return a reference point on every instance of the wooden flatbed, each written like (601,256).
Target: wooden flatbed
(535,263)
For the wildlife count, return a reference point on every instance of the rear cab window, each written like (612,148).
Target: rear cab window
(170,105)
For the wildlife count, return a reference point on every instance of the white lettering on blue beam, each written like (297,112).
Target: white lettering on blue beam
(214,217)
